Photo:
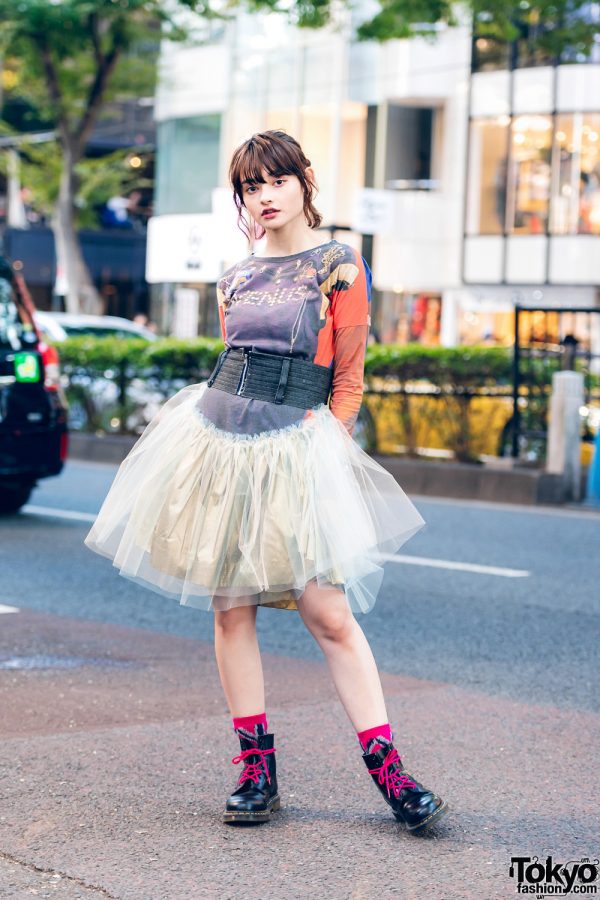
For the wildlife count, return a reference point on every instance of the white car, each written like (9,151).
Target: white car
(58,326)
(93,400)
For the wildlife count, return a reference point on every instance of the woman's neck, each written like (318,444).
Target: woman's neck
(282,242)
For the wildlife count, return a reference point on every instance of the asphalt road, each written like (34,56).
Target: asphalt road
(533,637)
(116,744)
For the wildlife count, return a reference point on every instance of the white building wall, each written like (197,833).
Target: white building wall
(317,85)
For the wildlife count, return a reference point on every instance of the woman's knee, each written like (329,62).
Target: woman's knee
(235,620)
(328,617)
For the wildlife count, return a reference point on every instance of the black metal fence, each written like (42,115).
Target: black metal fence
(547,340)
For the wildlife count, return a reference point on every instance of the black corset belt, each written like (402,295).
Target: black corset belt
(272,377)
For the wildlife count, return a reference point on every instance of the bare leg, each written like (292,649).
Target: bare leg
(238,660)
(328,617)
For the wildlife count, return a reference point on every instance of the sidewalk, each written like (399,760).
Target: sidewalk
(114,772)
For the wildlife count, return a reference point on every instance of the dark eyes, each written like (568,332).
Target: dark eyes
(251,187)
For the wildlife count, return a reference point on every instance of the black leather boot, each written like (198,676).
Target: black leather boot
(256,796)
(412,804)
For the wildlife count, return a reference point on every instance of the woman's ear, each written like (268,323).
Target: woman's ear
(309,174)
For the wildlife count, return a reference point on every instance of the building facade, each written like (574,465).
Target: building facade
(486,171)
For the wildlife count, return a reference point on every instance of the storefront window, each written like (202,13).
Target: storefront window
(486,324)
(576,183)
(529,175)
(487,176)
(409,318)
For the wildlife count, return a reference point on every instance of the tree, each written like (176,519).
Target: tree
(71,56)
(97,178)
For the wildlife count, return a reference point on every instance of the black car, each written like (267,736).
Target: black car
(33,410)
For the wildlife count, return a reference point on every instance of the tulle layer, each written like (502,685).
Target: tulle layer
(217,520)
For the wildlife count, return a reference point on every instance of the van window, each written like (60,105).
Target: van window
(16,328)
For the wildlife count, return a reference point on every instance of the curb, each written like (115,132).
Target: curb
(464,481)
(103,448)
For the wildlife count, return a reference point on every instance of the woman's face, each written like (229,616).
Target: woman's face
(275,201)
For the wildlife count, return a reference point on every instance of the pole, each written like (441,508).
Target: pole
(516,385)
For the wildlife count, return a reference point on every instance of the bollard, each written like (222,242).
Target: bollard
(564,453)
(593,480)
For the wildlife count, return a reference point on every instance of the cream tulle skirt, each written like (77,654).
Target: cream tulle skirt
(216,519)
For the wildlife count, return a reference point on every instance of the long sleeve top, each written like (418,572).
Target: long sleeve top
(315,305)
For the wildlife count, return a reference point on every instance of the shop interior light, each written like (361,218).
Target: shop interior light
(27,367)
(533,123)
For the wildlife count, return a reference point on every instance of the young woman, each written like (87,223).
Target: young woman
(248,490)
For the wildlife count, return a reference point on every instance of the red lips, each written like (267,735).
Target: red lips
(267,212)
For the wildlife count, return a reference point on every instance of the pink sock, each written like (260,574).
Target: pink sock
(251,726)
(368,734)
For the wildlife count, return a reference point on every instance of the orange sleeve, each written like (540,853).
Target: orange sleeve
(350,308)
(350,344)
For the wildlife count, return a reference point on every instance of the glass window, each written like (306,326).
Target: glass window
(541,37)
(405,318)
(187,164)
(409,147)
(578,52)
(15,323)
(529,175)
(487,176)
(490,54)
(576,182)
(531,45)
(488,326)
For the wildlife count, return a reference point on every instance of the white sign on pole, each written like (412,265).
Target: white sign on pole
(374,211)
(183,248)
(185,317)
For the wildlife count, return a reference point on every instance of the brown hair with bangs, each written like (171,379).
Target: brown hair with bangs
(280,154)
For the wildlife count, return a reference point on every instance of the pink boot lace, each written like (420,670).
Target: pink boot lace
(394,780)
(253,770)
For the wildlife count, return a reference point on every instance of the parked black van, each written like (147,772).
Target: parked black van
(33,409)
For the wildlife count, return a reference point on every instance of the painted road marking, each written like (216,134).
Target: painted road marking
(69,514)
(455,566)
(74,516)
(8,609)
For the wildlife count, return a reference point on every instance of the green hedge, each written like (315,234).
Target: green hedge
(458,381)
(445,367)
(449,368)
(171,355)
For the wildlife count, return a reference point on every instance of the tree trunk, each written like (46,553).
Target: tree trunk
(73,277)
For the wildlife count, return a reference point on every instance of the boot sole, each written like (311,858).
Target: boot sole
(432,819)
(250,816)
